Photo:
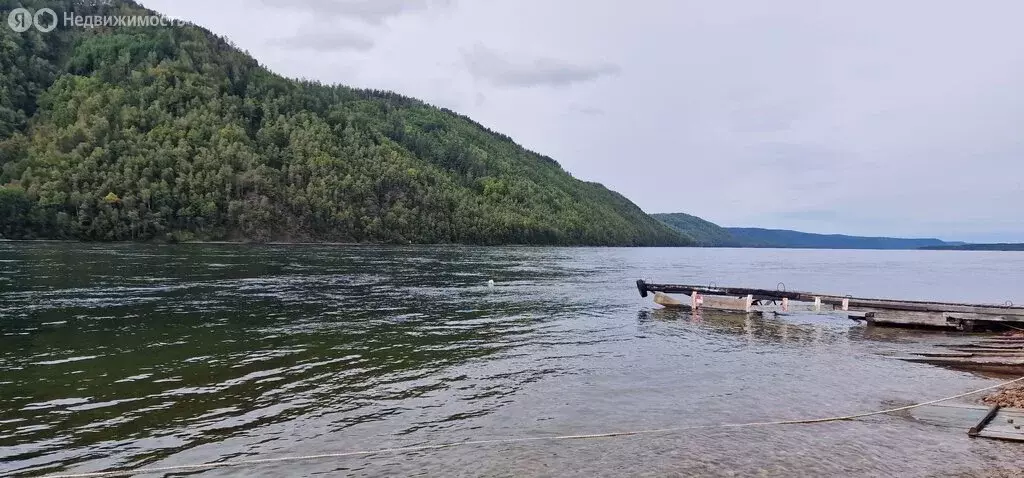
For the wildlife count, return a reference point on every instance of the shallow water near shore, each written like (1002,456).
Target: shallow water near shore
(118,355)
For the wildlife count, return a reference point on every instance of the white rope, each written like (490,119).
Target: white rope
(226,464)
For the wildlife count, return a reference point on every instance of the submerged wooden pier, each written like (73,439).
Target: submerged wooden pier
(995,422)
(884,312)
(1002,353)
(996,354)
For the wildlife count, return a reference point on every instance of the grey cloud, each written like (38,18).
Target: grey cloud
(445,93)
(587,110)
(337,40)
(824,181)
(765,119)
(369,11)
(815,215)
(797,158)
(495,68)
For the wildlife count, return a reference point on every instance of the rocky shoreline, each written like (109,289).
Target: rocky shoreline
(1007,397)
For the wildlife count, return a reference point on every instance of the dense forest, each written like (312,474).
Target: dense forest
(172,133)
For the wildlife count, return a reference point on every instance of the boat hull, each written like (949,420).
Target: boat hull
(670,302)
(710,302)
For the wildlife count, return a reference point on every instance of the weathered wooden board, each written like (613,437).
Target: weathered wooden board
(708,302)
(976,363)
(1001,435)
(993,315)
(959,417)
(984,351)
(910,319)
(725,303)
(985,345)
(1007,425)
(1004,340)
(853,315)
(666,300)
(966,416)
(944,354)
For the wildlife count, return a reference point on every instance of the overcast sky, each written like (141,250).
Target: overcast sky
(867,117)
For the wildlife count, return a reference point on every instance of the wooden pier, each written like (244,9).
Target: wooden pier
(995,422)
(883,312)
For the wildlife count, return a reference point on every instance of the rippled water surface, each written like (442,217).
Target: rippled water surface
(132,355)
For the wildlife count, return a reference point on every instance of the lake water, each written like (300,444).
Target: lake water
(126,355)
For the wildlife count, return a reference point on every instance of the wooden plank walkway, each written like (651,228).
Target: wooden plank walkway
(1009,364)
(1005,425)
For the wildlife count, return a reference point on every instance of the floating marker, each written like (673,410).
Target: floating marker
(490,283)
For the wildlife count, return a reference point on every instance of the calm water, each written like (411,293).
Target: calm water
(127,355)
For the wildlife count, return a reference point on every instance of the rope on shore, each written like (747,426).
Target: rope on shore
(261,461)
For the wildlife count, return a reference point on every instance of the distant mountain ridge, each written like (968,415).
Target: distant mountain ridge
(709,234)
(757,237)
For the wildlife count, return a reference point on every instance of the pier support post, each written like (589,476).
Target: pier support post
(696,300)
(817,304)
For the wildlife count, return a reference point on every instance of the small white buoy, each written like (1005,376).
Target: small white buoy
(490,283)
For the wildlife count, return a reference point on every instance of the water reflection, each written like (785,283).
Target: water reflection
(785,330)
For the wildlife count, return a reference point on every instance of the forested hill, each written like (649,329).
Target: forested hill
(703,232)
(134,133)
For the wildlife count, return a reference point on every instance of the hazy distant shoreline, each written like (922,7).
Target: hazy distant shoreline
(979,247)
